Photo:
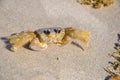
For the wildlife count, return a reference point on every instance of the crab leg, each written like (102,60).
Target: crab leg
(66,40)
(80,35)
(83,37)
(20,39)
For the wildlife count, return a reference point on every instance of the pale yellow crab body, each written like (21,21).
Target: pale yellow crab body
(41,38)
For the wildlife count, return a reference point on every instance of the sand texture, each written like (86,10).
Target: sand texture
(58,63)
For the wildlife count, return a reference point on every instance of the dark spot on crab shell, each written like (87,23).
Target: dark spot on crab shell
(47,32)
(57,31)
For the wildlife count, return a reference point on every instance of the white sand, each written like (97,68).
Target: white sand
(73,63)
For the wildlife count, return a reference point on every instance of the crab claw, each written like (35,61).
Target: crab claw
(18,40)
(65,41)
(36,45)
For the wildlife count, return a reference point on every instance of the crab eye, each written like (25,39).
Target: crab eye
(47,32)
(57,31)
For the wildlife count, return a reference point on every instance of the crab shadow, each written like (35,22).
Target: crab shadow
(27,46)
(78,45)
(6,41)
(9,46)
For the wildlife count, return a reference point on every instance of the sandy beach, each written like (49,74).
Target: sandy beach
(58,63)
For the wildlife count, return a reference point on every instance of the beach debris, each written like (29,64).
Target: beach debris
(114,68)
(114,77)
(41,38)
(96,3)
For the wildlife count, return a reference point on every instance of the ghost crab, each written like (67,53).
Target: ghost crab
(41,38)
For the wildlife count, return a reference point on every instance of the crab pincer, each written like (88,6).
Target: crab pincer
(36,45)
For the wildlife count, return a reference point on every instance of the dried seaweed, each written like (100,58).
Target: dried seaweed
(114,68)
(96,3)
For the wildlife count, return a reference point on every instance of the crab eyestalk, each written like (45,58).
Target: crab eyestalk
(20,39)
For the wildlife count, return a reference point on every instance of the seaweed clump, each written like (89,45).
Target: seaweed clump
(96,3)
(114,68)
